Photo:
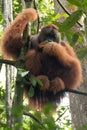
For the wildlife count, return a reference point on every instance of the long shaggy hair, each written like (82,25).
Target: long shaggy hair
(55,64)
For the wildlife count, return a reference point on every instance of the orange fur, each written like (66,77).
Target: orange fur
(68,48)
(12,40)
(61,67)
(70,65)
(55,64)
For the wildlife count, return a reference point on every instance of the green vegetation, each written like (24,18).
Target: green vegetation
(47,120)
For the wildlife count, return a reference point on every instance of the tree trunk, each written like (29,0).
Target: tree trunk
(58,8)
(8,95)
(17,107)
(78,103)
(6,7)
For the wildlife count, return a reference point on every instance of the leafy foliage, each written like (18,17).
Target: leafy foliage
(82,53)
(84,127)
(45,7)
(60,121)
(17,7)
(2,107)
(70,21)
(1,21)
(47,15)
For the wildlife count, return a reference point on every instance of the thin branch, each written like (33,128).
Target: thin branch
(14,63)
(19,63)
(67,11)
(34,118)
(63,7)
(72,91)
(76,92)
(9,62)
(35,6)
(61,114)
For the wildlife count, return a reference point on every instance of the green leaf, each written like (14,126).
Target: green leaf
(85,25)
(23,74)
(49,108)
(75,37)
(71,21)
(84,6)
(69,35)
(39,82)
(31,92)
(74,2)
(82,53)
(33,80)
(56,17)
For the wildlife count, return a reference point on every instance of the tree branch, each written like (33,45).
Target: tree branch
(9,62)
(34,118)
(38,24)
(19,63)
(72,91)
(75,91)
(62,114)
(67,11)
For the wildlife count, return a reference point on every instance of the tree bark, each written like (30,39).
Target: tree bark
(6,7)
(78,103)
(17,107)
(58,8)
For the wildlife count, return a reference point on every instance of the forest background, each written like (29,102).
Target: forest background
(71,19)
